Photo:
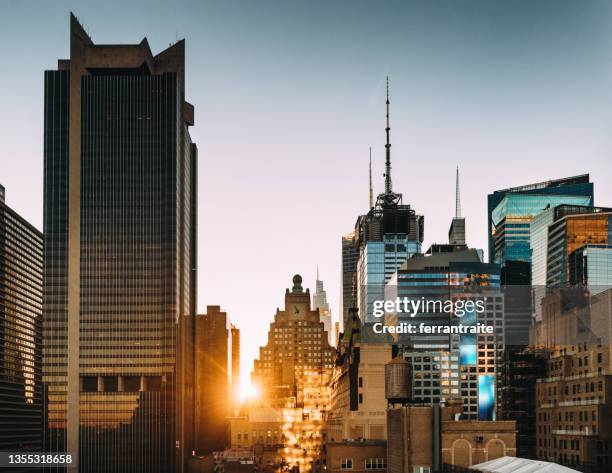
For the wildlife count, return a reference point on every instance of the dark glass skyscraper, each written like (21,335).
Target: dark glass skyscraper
(21,250)
(510,212)
(120,252)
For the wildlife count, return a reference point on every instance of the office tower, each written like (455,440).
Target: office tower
(456,232)
(21,395)
(319,301)
(215,367)
(591,266)
(350,256)
(387,235)
(574,397)
(451,365)
(294,367)
(293,373)
(539,241)
(571,230)
(510,212)
(120,257)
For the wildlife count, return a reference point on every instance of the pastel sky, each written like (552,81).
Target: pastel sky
(289,96)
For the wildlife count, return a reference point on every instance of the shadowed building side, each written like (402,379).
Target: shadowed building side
(120,257)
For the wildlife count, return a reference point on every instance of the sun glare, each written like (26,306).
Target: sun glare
(248,391)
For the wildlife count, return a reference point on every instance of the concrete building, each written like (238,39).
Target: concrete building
(295,366)
(217,360)
(120,236)
(422,438)
(293,373)
(350,256)
(21,286)
(574,413)
(358,456)
(358,401)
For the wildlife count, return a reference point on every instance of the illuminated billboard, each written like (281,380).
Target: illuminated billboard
(486,397)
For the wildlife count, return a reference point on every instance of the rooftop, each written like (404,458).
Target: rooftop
(520,465)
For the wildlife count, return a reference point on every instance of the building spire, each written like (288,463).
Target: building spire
(317,272)
(457,197)
(371,189)
(388,184)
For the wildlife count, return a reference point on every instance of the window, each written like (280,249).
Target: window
(421,469)
(376,463)
(360,398)
(346,464)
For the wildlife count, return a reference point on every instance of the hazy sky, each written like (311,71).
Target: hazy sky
(289,96)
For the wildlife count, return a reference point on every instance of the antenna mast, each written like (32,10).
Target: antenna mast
(457,197)
(371,189)
(388,185)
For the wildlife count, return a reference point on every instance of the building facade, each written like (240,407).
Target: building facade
(445,366)
(422,438)
(358,401)
(293,374)
(21,392)
(591,266)
(511,210)
(350,256)
(216,365)
(120,257)
(574,398)
(362,456)
(570,231)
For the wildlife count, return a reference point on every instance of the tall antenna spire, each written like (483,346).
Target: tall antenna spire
(371,189)
(457,197)
(388,185)
(317,272)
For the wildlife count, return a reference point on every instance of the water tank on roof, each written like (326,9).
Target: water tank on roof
(398,380)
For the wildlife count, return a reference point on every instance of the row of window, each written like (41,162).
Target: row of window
(370,463)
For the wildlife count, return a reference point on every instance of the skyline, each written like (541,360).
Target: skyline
(435,123)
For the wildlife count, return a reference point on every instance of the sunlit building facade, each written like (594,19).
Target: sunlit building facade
(591,266)
(216,366)
(21,394)
(292,374)
(571,231)
(446,366)
(120,259)
(511,210)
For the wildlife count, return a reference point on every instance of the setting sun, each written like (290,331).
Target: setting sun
(248,391)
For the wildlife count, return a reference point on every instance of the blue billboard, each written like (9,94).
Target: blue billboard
(486,397)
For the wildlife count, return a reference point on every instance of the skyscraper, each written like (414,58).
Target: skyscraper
(216,387)
(120,257)
(21,396)
(294,367)
(570,231)
(350,256)
(293,373)
(319,301)
(386,236)
(448,366)
(510,212)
